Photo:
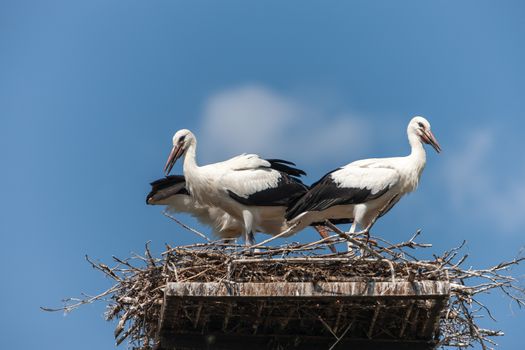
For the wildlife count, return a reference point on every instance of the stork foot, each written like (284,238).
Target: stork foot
(250,240)
(365,232)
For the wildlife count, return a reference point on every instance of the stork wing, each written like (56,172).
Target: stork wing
(251,180)
(284,167)
(253,162)
(244,162)
(164,188)
(286,192)
(348,185)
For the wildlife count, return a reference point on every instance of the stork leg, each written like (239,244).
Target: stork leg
(352,228)
(249,238)
(386,207)
(351,233)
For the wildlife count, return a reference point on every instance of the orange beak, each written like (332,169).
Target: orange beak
(429,138)
(176,152)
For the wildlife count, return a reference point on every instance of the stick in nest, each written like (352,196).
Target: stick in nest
(136,297)
(201,235)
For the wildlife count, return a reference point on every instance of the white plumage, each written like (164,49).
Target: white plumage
(365,189)
(253,190)
(171,191)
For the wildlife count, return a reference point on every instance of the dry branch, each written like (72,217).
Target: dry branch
(135,299)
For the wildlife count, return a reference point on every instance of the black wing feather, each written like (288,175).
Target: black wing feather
(325,193)
(166,187)
(277,160)
(283,166)
(286,193)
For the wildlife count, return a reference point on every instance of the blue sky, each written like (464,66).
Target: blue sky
(92,91)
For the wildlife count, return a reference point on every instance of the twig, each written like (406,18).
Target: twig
(136,297)
(352,240)
(201,235)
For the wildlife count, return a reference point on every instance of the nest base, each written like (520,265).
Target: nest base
(305,315)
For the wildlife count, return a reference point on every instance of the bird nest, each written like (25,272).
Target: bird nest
(136,299)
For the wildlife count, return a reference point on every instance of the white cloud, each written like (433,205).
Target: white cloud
(465,169)
(479,187)
(255,119)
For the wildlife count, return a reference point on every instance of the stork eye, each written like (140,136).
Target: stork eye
(420,125)
(182,138)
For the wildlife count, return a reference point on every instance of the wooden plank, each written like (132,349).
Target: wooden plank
(373,322)
(431,327)
(255,342)
(408,290)
(405,319)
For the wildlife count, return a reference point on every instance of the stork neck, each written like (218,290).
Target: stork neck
(417,155)
(195,181)
(190,163)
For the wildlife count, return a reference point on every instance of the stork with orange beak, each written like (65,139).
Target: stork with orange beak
(255,191)
(365,189)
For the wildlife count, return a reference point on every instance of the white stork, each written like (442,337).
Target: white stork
(251,189)
(365,189)
(171,191)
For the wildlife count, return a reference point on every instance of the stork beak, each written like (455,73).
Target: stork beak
(176,153)
(429,138)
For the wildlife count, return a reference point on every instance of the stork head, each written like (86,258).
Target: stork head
(421,127)
(181,141)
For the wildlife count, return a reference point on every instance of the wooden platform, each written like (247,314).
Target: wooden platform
(302,315)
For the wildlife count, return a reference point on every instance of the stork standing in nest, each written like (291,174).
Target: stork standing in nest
(365,189)
(255,191)
(171,192)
